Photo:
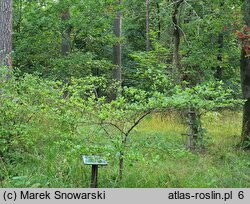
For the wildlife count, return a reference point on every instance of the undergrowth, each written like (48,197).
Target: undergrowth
(156,156)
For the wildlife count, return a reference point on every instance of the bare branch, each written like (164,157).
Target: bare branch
(137,122)
(175,2)
(116,126)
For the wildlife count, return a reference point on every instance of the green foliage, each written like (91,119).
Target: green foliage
(148,66)
(36,37)
(77,105)
(78,65)
(50,119)
(22,100)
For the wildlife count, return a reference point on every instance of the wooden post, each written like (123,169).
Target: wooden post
(94,178)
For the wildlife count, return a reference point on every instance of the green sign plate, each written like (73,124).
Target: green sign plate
(94,160)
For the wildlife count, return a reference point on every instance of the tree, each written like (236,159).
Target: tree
(177,68)
(245,75)
(218,71)
(66,43)
(5,32)
(147,26)
(117,57)
(158,20)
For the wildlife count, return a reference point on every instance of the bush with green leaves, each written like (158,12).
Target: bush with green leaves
(150,67)
(22,99)
(120,116)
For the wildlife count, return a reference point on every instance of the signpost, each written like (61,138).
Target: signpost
(95,161)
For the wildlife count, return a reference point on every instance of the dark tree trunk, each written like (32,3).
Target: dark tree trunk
(218,71)
(117,52)
(147,26)
(66,42)
(245,81)
(177,68)
(20,16)
(5,32)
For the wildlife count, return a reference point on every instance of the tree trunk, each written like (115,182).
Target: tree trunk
(218,71)
(117,55)
(159,21)
(245,81)
(5,32)
(177,68)
(121,162)
(66,43)
(147,26)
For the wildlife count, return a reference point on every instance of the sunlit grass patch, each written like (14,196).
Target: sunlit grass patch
(169,121)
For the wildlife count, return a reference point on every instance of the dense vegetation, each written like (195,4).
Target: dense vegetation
(159,88)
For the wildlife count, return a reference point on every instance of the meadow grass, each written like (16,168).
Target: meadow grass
(155,156)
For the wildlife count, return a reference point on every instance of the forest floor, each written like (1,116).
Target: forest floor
(155,157)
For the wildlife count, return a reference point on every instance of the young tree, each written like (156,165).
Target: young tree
(245,76)
(5,32)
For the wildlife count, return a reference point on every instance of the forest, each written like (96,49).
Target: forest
(158,89)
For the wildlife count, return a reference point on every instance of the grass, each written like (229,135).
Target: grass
(156,156)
